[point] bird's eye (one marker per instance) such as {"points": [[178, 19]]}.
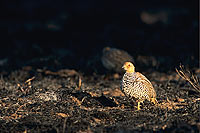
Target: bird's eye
{"points": [[129, 65]]}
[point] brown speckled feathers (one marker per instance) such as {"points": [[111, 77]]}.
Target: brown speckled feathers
{"points": [[136, 85]]}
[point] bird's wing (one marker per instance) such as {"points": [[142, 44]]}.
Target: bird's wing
{"points": [[146, 84], [124, 54]]}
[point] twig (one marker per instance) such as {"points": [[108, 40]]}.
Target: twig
{"points": [[79, 83], [193, 80], [64, 125], [26, 86], [29, 80]]}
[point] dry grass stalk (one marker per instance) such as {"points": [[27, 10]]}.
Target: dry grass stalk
{"points": [[186, 74], [26, 86], [79, 83]]}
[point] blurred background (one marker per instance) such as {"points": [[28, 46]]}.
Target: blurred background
{"points": [[72, 34]]}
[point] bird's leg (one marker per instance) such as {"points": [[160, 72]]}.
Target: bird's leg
{"points": [[154, 100], [138, 107]]}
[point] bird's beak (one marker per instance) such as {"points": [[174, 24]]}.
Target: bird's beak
{"points": [[123, 66]]}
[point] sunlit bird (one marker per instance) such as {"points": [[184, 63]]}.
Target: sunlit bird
{"points": [[136, 85]]}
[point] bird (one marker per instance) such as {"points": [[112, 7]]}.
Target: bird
{"points": [[136, 85], [113, 59]]}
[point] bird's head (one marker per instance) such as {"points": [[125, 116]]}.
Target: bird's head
{"points": [[106, 49], [129, 67]]}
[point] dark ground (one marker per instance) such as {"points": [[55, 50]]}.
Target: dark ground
{"points": [[51, 46]]}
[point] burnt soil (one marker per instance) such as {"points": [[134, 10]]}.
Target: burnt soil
{"points": [[52, 79], [39, 100]]}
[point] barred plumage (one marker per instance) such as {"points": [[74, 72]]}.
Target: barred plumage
{"points": [[113, 59], [136, 85]]}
